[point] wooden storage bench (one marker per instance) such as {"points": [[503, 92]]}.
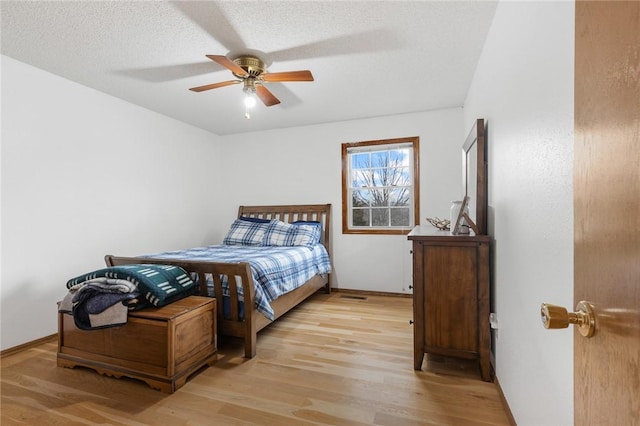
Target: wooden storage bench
{"points": [[161, 346]]}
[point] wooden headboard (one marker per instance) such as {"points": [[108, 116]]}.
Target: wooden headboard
{"points": [[291, 213]]}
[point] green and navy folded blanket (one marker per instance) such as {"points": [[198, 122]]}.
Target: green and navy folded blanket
{"points": [[159, 285]]}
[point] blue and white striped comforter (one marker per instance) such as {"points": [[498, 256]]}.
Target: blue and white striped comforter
{"points": [[276, 270]]}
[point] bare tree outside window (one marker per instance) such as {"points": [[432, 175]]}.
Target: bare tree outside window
{"points": [[384, 184], [380, 186]]}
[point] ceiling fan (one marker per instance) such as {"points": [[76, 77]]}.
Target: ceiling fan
{"points": [[250, 70]]}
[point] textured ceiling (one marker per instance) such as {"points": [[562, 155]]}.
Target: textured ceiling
{"points": [[369, 58]]}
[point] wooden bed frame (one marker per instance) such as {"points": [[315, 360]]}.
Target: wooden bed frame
{"points": [[240, 274]]}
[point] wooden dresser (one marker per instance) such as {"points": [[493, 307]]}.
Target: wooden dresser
{"points": [[161, 346], [451, 296]]}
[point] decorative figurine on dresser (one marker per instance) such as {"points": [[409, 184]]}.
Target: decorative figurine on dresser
{"points": [[451, 272]]}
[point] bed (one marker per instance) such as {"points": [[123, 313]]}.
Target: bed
{"points": [[233, 283]]}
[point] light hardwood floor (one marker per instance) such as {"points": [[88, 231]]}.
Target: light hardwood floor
{"points": [[334, 360]]}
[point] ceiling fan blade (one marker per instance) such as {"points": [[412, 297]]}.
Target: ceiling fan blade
{"points": [[288, 76], [266, 96], [214, 85], [229, 64]]}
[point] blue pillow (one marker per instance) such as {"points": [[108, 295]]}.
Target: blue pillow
{"points": [[315, 224], [287, 234], [246, 233]]}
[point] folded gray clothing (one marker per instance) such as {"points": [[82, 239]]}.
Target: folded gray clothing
{"points": [[93, 308], [99, 303], [102, 301], [113, 316], [66, 305]]}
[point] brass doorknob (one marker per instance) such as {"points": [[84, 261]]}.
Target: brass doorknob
{"points": [[554, 316]]}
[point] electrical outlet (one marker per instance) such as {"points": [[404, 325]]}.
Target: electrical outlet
{"points": [[493, 320]]}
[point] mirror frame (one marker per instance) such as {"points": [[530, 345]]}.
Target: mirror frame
{"points": [[476, 139]]}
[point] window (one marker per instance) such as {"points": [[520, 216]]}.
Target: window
{"points": [[380, 191]]}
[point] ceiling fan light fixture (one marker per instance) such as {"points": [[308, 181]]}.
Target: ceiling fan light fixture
{"points": [[249, 90], [249, 100]]}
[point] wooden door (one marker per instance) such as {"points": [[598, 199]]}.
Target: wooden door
{"points": [[607, 211]]}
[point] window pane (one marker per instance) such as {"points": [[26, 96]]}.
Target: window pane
{"points": [[380, 217], [360, 179], [399, 157], [360, 161], [400, 217], [399, 176], [380, 197], [379, 159], [399, 197], [378, 177], [361, 217], [361, 198]]}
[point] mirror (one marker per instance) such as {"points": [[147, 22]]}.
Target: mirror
{"points": [[474, 174]]}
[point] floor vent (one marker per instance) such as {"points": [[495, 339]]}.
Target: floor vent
{"points": [[349, 296]]}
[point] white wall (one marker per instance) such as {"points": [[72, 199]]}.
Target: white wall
{"points": [[523, 86], [303, 165], [85, 174]]}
